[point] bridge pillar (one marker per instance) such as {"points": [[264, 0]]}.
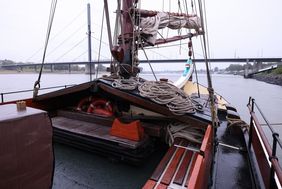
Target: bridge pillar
{"points": [[51, 68], [69, 68], [87, 69], [35, 68]]}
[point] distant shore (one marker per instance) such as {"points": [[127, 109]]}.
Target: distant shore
{"points": [[271, 78], [33, 72]]}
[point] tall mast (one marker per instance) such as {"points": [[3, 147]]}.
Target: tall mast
{"points": [[127, 29], [89, 40]]}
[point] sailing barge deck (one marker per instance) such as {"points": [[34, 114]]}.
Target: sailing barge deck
{"points": [[208, 144], [226, 167]]}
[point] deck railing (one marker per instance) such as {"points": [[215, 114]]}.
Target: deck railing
{"points": [[257, 134], [30, 90]]}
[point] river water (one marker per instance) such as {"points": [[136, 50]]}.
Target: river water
{"points": [[92, 170]]}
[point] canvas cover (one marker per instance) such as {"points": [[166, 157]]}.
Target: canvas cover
{"points": [[26, 152]]}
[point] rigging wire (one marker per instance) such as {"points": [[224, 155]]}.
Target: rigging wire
{"points": [[70, 49], [210, 89], [117, 23], [149, 62], [50, 22], [104, 43], [57, 34], [207, 33], [101, 36], [79, 56], [169, 9], [193, 53], [196, 72], [63, 42]]}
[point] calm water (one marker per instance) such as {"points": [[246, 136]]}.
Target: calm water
{"points": [[92, 170]]}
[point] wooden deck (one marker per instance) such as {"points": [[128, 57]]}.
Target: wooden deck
{"points": [[92, 130], [183, 165], [174, 169], [93, 136]]}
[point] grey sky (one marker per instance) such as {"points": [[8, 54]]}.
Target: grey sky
{"points": [[245, 28]]}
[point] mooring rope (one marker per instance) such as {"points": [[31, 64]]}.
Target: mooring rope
{"points": [[186, 131]]}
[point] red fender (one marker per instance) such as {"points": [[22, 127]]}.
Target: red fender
{"points": [[101, 107]]}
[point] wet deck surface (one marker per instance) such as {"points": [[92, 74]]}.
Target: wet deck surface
{"points": [[232, 167], [78, 169]]}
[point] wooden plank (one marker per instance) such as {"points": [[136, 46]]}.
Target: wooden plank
{"points": [[150, 184], [198, 177], [160, 168], [194, 157], [161, 186], [162, 165], [73, 125], [83, 116], [65, 91], [93, 130], [172, 167], [179, 178]]}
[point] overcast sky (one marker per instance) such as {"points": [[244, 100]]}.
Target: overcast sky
{"points": [[241, 28]]}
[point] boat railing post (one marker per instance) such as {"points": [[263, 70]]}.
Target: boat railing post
{"points": [[273, 156], [251, 103], [2, 97]]}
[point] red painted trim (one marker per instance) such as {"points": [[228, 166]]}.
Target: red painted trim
{"points": [[201, 171], [150, 184], [172, 167]]}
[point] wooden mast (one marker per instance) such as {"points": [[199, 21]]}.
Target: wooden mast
{"points": [[127, 29], [123, 52], [126, 48]]}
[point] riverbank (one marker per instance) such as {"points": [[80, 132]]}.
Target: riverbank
{"points": [[33, 72], [271, 78]]}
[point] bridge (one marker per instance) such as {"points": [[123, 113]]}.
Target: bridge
{"points": [[36, 66]]}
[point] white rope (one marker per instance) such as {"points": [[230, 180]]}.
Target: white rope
{"points": [[182, 130], [125, 84], [167, 94]]}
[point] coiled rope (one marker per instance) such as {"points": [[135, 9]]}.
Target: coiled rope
{"points": [[162, 93], [182, 130], [125, 84], [167, 94], [235, 122]]}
